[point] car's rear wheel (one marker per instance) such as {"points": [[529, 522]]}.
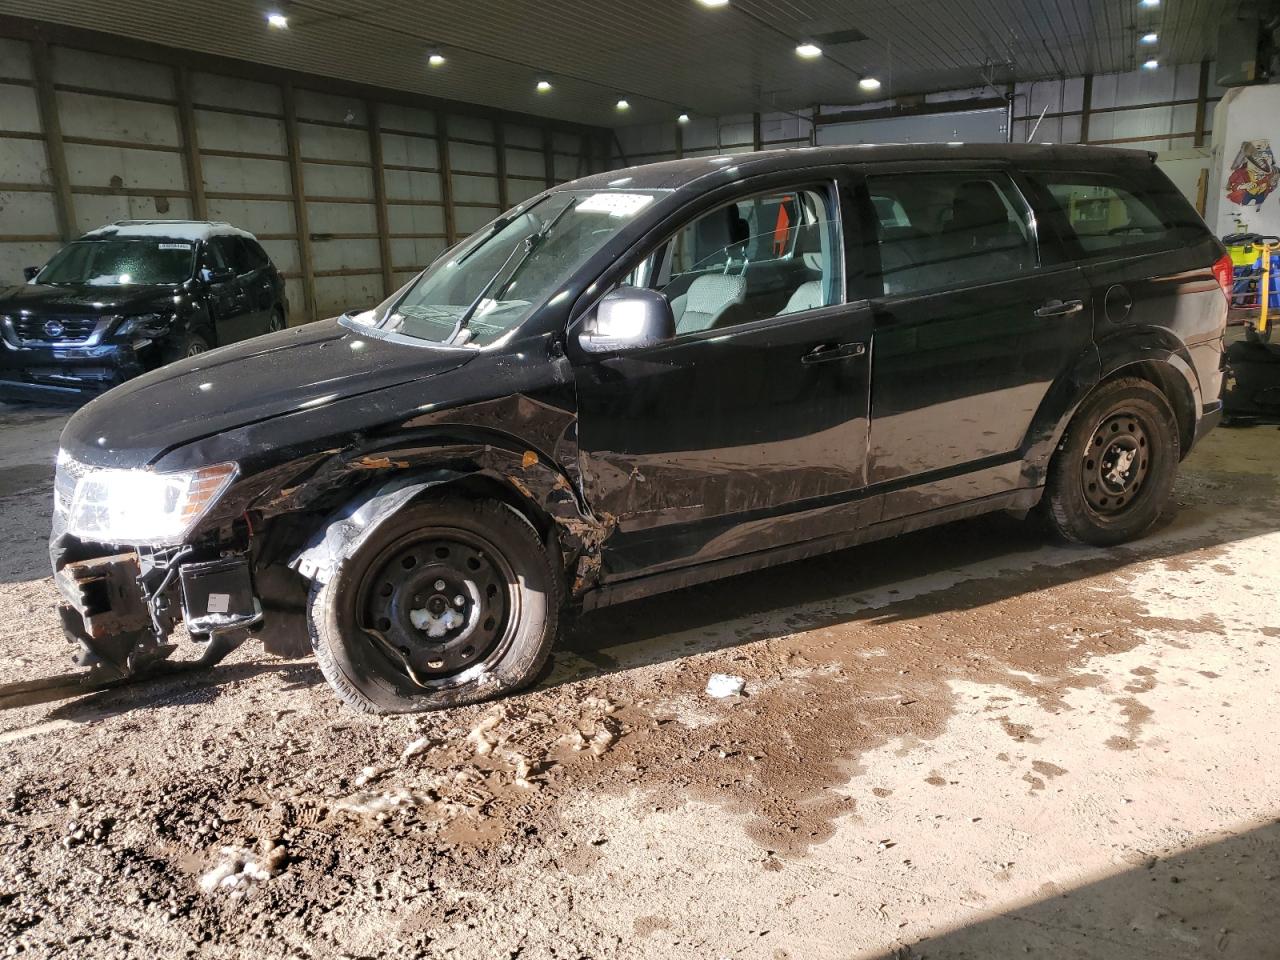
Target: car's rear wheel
{"points": [[449, 602], [277, 321], [1114, 470]]}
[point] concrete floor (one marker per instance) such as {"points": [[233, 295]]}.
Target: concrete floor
{"points": [[968, 742]]}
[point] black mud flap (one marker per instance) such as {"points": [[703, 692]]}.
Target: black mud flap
{"points": [[1251, 383]]}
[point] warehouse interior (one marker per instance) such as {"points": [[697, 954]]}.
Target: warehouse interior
{"points": [[971, 740]]}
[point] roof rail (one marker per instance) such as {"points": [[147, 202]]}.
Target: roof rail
{"points": [[139, 223]]}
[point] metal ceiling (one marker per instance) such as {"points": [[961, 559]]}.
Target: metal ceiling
{"points": [[663, 56]]}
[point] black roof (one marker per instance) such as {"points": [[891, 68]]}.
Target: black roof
{"points": [[674, 174]]}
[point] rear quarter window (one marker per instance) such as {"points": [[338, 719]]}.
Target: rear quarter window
{"points": [[1106, 214]]}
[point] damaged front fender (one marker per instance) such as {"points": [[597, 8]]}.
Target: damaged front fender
{"points": [[347, 530], [541, 492]]}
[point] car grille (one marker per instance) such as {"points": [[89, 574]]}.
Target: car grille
{"points": [[54, 329]]}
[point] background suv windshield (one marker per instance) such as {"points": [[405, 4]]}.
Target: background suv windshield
{"points": [[113, 263], [500, 276]]}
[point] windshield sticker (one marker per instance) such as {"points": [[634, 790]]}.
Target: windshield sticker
{"points": [[174, 246], [614, 204]]}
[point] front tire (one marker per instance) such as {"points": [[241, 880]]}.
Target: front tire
{"points": [[449, 602], [186, 345], [1114, 470]]}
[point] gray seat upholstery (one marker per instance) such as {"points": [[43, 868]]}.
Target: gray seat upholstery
{"points": [[708, 298], [808, 296]]}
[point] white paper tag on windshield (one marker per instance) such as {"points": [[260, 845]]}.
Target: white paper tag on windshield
{"points": [[614, 204], [219, 602], [174, 246]]}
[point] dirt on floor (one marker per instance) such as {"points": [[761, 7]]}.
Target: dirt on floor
{"points": [[967, 742]]}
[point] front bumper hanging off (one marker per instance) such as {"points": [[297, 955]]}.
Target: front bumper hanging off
{"points": [[120, 609]]}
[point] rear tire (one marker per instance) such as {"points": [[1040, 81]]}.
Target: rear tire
{"points": [[1113, 472], [384, 618]]}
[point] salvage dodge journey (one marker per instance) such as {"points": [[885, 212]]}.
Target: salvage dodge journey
{"points": [[643, 380]]}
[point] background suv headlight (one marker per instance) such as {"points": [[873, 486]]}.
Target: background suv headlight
{"points": [[146, 325], [142, 507]]}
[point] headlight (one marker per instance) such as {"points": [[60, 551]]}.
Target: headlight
{"points": [[147, 324], [142, 507]]}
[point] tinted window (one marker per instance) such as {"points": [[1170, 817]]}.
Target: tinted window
{"points": [[765, 256], [257, 256], [1107, 213], [940, 230]]}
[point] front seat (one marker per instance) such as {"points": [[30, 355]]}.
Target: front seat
{"points": [[707, 300], [810, 295]]}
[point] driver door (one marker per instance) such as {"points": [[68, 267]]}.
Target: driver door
{"points": [[748, 430]]}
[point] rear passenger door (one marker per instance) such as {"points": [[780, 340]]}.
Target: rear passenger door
{"points": [[975, 320]]}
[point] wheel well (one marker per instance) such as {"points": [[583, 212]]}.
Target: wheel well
{"points": [[1168, 381], [478, 486]]}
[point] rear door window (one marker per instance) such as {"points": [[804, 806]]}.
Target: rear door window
{"points": [[940, 230], [1106, 213]]}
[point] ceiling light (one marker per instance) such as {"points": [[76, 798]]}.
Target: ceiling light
{"points": [[869, 84], [544, 86], [1151, 64], [435, 58], [622, 104], [1149, 3], [714, 3], [808, 50], [278, 20], [683, 118], [1150, 38]]}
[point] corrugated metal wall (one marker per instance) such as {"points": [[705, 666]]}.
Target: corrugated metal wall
{"points": [[350, 196], [1147, 109]]}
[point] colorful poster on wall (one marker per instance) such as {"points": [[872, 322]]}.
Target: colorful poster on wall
{"points": [[1253, 175]]}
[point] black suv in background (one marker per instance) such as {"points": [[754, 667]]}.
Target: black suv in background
{"points": [[648, 379], [128, 298]]}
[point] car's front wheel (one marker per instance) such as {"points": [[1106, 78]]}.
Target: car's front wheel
{"points": [[449, 602], [1113, 472]]}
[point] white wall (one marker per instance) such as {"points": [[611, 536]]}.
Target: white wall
{"points": [[1245, 113], [1122, 114]]}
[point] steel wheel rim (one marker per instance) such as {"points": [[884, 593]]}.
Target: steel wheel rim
{"points": [[440, 637], [1116, 463]]}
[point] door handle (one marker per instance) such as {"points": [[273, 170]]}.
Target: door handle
{"points": [[834, 351], [1060, 308]]}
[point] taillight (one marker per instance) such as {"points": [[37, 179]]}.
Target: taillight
{"points": [[1224, 272]]}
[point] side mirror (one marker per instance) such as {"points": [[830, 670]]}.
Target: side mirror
{"points": [[217, 274], [29, 273], [628, 317]]}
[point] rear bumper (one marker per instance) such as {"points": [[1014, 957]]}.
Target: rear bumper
{"points": [[65, 374], [1210, 417]]}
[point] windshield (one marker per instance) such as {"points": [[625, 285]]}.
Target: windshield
{"points": [[492, 282], [120, 263]]}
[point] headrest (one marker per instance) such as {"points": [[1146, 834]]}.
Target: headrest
{"points": [[977, 205]]}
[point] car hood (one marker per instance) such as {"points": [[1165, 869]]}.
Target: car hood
{"points": [[299, 369], [45, 298]]}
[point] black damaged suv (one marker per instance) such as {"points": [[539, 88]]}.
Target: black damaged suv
{"points": [[128, 298], [643, 380]]}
